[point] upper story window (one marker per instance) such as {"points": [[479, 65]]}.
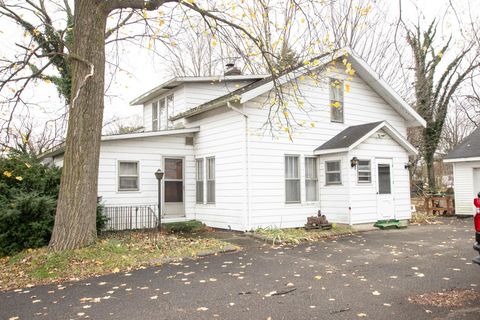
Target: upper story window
{"points": [[336, 100], [161, 111]]}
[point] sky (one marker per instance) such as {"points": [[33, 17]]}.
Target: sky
{"points": [[142, 70]]}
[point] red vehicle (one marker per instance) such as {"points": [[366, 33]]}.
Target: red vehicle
{"points": [[476, 220]]}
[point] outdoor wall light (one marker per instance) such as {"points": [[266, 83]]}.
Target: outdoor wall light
{"points": [[354, 162], [408, 165]]}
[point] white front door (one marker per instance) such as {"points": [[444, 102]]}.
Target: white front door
{"points": [[385, 201], [173, 187]]}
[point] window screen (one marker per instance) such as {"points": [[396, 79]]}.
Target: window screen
{"points": [[333, 173], [384, 182], [128, 176], [292, 179]]}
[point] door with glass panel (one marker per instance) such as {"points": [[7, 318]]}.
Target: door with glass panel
{"points": [[385, 195], [173, 187]]}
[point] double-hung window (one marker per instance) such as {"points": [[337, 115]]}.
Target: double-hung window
{"points": [[311, 179], [364, 171], [155, 116], [161, 111], [210, 179], [199, 183], [333, 173], [292, 179], [336, 100], [128, 176]]}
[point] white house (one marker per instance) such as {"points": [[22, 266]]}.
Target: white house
{"points": [[465, 158], [207, 135]]}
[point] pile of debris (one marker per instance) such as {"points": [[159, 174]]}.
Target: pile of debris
{"points": [[318, 222]]}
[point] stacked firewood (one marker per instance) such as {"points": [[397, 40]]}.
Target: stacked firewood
{"points": [[318, 222]]}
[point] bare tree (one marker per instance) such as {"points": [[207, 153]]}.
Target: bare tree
{"points": [[436, 82], [75, 52]]}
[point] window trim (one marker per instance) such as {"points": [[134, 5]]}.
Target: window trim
{"points": [[299, 179], [335, 183], [155, 119], [202, 160], [310, 179], [165, 179], [119, 176], [370, 171], [332, 101], [158, 120], [214, 179]]}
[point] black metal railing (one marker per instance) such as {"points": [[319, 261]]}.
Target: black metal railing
{"points": [[130, 217]]}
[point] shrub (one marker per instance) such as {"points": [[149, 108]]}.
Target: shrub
{"points": [[28, 200], [183, 227]]}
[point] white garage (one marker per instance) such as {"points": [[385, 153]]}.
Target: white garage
{"points": [[466, 172]]}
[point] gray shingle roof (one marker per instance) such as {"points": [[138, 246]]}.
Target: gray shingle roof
{"points": [[468, 148], [348, 136]]}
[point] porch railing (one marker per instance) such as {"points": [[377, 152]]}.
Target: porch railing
{"points": [[131, 217]]}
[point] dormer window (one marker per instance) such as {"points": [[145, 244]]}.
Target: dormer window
{"points": [[161, 111]]}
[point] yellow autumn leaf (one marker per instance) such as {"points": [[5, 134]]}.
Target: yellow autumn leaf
{"points": [[347, 87], [19, 178], [336, 104], [214, 43], [28, 165], [7, 174], [116, 270]]}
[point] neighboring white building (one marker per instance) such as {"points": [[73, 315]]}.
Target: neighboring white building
{"points": [[206, 134], [465, 158]]}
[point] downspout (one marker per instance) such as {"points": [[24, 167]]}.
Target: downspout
{"points": [[246, 164]]}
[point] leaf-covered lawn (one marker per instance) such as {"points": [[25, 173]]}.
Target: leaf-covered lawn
{"points": [[297, 235], [111, 254]]}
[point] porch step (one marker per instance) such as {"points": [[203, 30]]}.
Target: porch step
{"points": [[389, 224]]}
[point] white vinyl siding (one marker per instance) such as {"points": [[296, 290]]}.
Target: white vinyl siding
{"points": [[210, 180], [364, 171], [363, 196], [311, 179], [128, 176], [292, 179], [336, 100], [199, 180], [466, 182], [333, 172]]}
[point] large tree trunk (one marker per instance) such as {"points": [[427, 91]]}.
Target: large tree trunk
{"points": [[430, 139], [75, 220]]}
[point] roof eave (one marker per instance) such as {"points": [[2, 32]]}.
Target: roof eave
{"points": [[466, 159]]}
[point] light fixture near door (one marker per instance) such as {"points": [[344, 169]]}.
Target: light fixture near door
{"points": [[354, 162]]}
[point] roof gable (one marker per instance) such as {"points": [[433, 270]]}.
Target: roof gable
{"points": [[361, 67], [468, 148], [353, 136]]}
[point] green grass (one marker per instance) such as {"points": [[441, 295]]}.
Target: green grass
{"points": [[297, 235], [115, 252]]}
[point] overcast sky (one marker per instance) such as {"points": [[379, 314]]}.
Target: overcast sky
{"points": [[142, 70]]}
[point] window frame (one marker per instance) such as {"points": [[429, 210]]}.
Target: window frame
{"points": [[200, 161], [334, 183], [166, 179], [298, 178], [208, 179], [363, 171], [167, 102], [315, 178], [332, 100], [155, 118], [119, 189]]}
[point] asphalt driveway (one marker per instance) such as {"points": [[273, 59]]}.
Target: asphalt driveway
{"points": [[369, 275]]}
